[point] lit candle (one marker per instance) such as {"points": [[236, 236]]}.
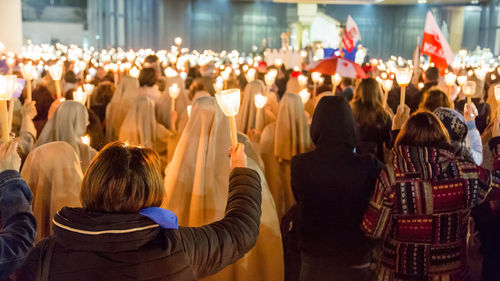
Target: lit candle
{"points": [[449, 79], [178, 41], [55, 72], [134, 72], [80, 96], [387, 86], [250, 75], [461, 79], [170, 72], [173, 92], [480, 73], [86, 139], [302, 81], [88, 88], [27, 71], [229, 102], [7, 85], [304, 96], [469, 89], [270, 78], [189, 107], [260, 102], [219, 84], [403, 76]]}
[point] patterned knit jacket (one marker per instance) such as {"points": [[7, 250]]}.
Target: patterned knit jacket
{"points": [[421, 207]]}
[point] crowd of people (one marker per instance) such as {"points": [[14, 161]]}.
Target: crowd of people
{"points": [[344, 184]]}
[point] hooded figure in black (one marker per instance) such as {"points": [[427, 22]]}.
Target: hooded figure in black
{"points": [[332, 185]]}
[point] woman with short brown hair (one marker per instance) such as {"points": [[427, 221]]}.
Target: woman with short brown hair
{"points": [[121, 234], [433, 99]]}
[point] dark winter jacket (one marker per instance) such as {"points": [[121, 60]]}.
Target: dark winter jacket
{"points": [[120, 246], [332, 185], [18, 223]]}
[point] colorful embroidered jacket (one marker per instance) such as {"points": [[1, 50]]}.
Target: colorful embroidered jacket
{"points": [[421, 207]]}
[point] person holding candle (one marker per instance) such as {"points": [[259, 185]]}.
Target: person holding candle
{"points": [[278, 143], [164, 105], [69, 123], [55, 183], [428, 188], [140, 127], [372, 119], [196, 189], [121, 233], [246, 120], [331, 203], [17, 221]]}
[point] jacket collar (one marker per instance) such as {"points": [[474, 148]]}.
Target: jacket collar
{"points": [[80, 229]]}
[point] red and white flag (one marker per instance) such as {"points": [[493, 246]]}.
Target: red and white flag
{"points": [[351, 34], [434, 44]]}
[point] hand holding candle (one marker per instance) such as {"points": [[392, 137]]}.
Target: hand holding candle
{"points": [[336, 79], [387, 86], [229, 102]]}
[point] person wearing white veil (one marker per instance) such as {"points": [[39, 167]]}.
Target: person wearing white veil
{"points": [[69, 123], [278, 143], [247, 118], [125, 93], [55, 184], [196, 185], [164, 104], [141, 128]]}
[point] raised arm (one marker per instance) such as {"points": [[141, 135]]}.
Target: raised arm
{"points": [[212, 247], [18, 223], [377, 217]]}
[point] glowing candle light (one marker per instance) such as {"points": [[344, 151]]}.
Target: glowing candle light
{"points": [[89, 89], [270, 78], [315, 77], [449, 79], [302, 81], [55, 72], [170, 72], [304, 96], [260, 101], [250, 75], [80, 96], [7, 86], [386, 86], [189, 107], [229, 102], [178, 41], [134, 72], [173, 92], [461, 79], [403, 76], [86, 139], [27, 71], [480, 73], [469, 89]]}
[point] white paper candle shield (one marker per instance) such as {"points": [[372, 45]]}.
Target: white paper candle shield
{"points": [[229, 103], [250, 75], [387, 85], [403, 76], [302, 81], [304, 96], [55, 71], [450, 78], [315, 76], [260, 101], [134, 72], [189, 107], [80, 96]]}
